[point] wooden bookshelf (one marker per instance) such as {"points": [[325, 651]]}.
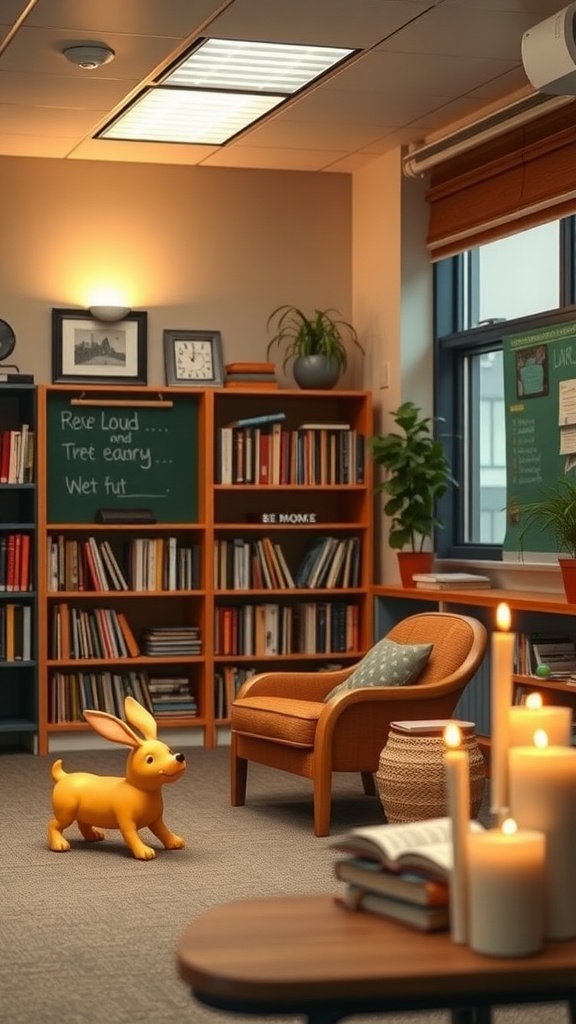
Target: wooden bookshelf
{"points": [[19, 711], [111, 448], [315, 490]]}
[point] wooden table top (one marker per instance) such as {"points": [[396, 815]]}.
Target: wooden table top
{"points": [[299, 949]]}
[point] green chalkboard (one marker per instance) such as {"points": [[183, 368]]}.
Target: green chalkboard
{"points": [[540, 396], [117, 457]]}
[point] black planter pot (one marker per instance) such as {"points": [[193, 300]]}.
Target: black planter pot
{"points": [[316, 372]]}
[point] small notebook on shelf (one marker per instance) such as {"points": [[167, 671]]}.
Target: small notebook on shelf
{"points": [[451, 580]]}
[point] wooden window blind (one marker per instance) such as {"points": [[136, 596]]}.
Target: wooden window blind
{"points": [[525, 177]]}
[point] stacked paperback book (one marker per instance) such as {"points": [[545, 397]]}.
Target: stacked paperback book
{"points": [[451, 581], [399, 871], [168, 641], [251, 375]]}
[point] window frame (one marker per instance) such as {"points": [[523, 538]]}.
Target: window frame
{"points": [[455, 290]]}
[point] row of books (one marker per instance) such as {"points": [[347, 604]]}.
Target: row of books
{"points": [[78, 633], [227, 682], [400, 871], [16, 562], [309, 455], [15, 632], [555, 650], [71, 693], [329, 562], [17, 455], [146, 564], [314, 627]]}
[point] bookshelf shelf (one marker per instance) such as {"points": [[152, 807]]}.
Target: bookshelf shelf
{"points": [[19, 712]]}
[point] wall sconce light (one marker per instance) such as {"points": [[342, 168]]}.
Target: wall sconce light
{"points": [[110, 314]]}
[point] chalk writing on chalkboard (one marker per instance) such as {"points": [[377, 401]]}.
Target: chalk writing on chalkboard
{"points": [[124, 457]]}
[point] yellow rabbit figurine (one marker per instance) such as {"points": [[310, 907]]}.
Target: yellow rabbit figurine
{"points": [[98, 802]]}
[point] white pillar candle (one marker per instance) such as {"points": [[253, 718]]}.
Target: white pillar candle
{"points": [[501, 668], [543, 796], [525, 719], [506, 890], [458, 798]]}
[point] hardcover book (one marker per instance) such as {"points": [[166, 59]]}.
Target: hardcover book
{"points": [[423, 845]]}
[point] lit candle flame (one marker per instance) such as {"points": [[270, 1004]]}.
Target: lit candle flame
{"points": [[540, 738], [503, 618], [509, 827], [452, 735], [534, 701]]}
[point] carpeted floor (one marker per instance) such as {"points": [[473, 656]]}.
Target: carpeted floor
{"points": [[88, 937]]}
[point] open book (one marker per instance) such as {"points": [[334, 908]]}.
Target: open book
{"points": [[422, 845]]}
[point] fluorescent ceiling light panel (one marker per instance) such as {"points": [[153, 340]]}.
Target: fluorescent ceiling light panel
{"points": [[270, 67], [180, 115], [219, 89]]}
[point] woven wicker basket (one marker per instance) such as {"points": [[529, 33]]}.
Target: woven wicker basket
{"points": [[411, 778]]}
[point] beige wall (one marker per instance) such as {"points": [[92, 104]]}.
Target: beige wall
{"points": [[392, 302], [219, 249], [215, 249]]}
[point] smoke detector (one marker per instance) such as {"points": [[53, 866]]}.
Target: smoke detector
{"points": [[89, 57]]}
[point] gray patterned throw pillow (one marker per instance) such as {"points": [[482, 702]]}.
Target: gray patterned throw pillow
{"points": [[386, 664]]}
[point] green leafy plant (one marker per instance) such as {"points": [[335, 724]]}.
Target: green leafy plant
{"points": [[418, 473], [554, 511], [323, 334]]}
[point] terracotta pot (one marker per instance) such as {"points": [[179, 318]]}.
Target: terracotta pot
{"points": [[410, 562], [568, 569]]}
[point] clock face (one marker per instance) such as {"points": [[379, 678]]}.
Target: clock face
{"points": [[7, 339], [194, 360]]}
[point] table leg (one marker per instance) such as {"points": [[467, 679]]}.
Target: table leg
{"points": [[571, 1005], [475, 1015]]}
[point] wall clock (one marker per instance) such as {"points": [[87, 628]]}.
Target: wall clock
{"points": [[7, 340], [193, 358]]}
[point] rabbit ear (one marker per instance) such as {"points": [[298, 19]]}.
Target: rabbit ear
{"points": [[112, 728], [140, 718]]}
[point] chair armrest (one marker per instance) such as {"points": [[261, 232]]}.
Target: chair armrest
{"points": [[294, 685]]}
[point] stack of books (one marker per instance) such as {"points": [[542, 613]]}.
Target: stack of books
{"points": [[168, 641], [399, 871], [250, 375], [171, 695], [451, 581]]}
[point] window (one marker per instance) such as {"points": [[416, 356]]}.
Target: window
{"points": [[500, 288]]}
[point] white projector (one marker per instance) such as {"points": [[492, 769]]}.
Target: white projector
{"points": [[549, 53]]}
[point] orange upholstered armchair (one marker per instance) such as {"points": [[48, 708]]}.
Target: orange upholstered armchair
{"points": [[282, 719]]}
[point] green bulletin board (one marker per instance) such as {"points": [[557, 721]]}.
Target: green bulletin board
{"points": [[123, 457], [540, 397]]}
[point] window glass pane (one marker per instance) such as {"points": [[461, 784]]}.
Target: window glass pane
{"points": [[520, 275], [485, 445]]}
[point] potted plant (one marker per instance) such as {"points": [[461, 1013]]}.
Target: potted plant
{"points": [[316, 345], [555, 512], [417, 474]]}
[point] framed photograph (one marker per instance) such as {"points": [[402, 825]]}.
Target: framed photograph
{"points": [[91, 351], [194, 358]]}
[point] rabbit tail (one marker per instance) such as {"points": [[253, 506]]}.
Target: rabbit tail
{"points": [[57, 770]]}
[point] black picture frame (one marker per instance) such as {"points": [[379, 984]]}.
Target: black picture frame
{"points": [[213, 338], [125, 343]]}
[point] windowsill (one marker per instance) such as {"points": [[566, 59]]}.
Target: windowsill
{"points": [[541, 577]]}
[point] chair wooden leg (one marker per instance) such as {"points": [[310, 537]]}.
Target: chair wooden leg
{"points": [[322, 781], [368, 783], [238, 777]]}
